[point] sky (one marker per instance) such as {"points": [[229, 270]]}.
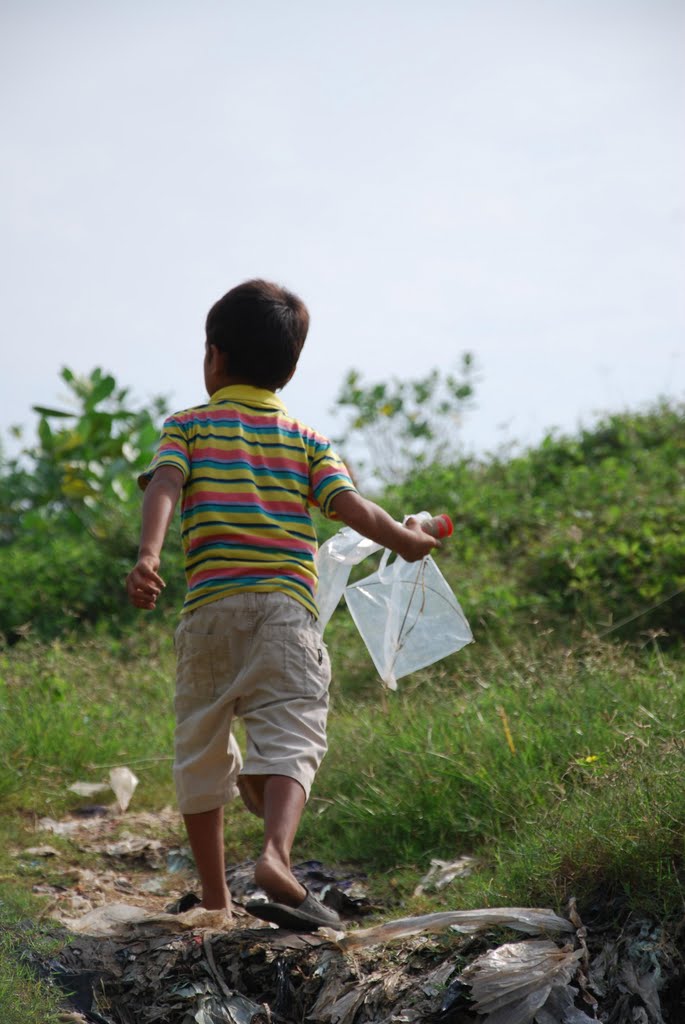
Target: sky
{"points": [[501, 178]]}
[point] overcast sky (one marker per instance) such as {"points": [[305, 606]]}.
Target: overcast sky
{"points": [[503, 177]]}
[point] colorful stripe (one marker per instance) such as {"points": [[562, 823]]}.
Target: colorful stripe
{"points": [[250, 473]]}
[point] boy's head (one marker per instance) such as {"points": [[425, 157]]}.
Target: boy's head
{"points": [[259, 328]]}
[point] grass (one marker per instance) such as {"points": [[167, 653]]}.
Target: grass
{"points": [[561, 771], [24, 999], [72, 711]]}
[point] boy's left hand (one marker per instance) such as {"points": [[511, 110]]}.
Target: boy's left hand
{"points": [[144, 584]]}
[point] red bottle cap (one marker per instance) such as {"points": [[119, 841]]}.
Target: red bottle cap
{"points": [[444, 525]]}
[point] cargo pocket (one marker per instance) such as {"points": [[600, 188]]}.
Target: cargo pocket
{"points": [[196, 654], [307, 665]]}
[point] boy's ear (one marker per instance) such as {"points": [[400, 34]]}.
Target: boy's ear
{"points": [[216, 358]]}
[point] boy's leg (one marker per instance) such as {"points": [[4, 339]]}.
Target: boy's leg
{"points": [[206, 836], [284, 800]]}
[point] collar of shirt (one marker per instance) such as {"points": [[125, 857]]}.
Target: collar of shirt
{"points": [[248, 394]]}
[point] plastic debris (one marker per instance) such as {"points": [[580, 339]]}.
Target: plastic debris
{"points": [[468, 922], [442, 872], [207, 1007], [561, 1008], [37, 851], [88, 788], [179, 860], [124, 920], [128, 846], [635, 968], [123, 782], [513, 983], [68, 827]]}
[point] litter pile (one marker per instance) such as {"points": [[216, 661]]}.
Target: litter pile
{"points": [[128, 961], [244, 975]]}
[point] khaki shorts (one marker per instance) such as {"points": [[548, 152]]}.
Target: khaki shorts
{"points": [[258, 657]]}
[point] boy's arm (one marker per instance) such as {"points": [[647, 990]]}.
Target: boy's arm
{"points": [[408, 540], [143, 583]]}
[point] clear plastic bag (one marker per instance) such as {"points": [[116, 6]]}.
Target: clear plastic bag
{"points": [[408, 617], [334, 561], [406, 613]]}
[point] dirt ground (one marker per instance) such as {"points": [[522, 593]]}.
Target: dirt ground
{"points": [[126, 961]]}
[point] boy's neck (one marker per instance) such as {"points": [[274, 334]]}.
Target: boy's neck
{"points": [[229, 381]]}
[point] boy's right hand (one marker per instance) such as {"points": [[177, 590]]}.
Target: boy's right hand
{"points": [[366, 517], [417, 544], [143, 583]]}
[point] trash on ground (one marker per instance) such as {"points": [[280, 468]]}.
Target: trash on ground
{"points": [[68, 827], [124, 920], [88, 788], [140, 848], [513, 983], [123, 782], [178, 860], [155, 967], [442, 872], [636, 967], [37, 851], [467, 922]]}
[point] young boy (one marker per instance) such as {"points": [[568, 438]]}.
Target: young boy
{"points": [[247, 644]]}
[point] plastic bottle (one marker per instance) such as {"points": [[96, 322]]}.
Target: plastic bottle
{"points": [[438, 526]]}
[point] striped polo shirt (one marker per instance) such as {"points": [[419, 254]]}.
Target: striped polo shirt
{"points": [[250, 474]]}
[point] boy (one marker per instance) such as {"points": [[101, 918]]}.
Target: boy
{"points": [[247, 644]]}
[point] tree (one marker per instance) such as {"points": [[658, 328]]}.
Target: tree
{"points": [[405, 425], [80, 473], [69, 507]]}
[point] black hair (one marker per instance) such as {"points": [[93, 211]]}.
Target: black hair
{"points": [[261, 328]]}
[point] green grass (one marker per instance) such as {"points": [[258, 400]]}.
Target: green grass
{"points": [[589, 802], [590, 794], [70, 711], [24, 999], [591, 797]]}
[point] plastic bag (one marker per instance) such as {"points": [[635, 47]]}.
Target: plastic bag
{"points": [[334, 560], [406, 613], [408, 617]]}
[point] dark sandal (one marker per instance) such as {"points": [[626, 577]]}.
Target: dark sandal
{"points": [[307, 917]]}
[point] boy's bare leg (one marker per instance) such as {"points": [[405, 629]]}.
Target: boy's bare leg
{"points": [[206, 836], [284, 801]]}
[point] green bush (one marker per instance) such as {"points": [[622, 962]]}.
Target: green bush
{"points": [[580, 532], [70, 510], [575, 535], [52, 585]]}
